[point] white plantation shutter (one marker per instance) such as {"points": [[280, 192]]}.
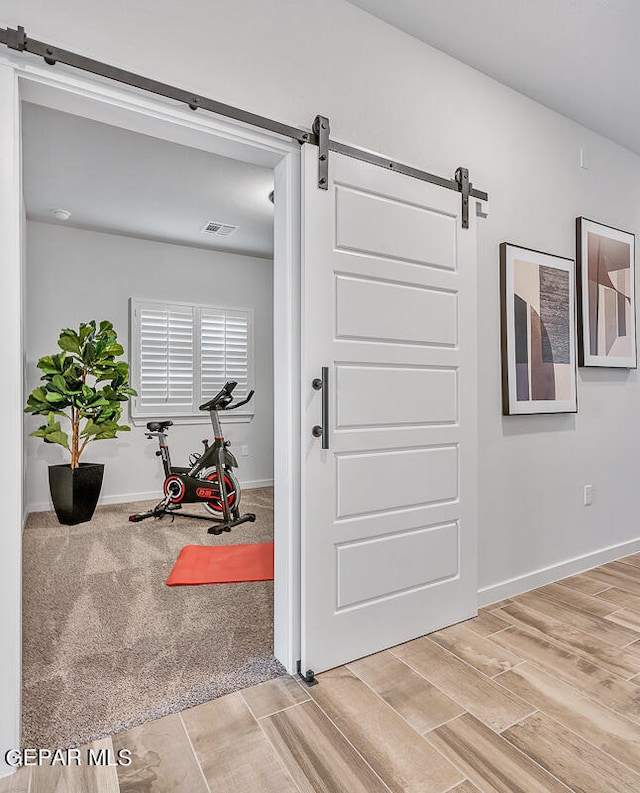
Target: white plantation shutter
{"points": [[183, 354], [166, 357], [225, 351]]}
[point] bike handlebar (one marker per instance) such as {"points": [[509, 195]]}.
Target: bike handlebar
{"points": [[223, 398], [244, 401]]}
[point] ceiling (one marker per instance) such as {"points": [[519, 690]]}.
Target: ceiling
{"points": [[122, 182], [578, 57]]}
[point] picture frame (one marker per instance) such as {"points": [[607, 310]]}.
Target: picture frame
{"points": [[605, 258], [538, 321]]}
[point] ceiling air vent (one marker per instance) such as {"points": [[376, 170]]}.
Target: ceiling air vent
{"points": [[219, 229]]}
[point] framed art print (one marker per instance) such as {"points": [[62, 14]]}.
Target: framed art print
{"points": [[607, 299], [538, 332]]}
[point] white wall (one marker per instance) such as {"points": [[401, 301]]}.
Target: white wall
{"points": [[387, 92], [74, 276]]}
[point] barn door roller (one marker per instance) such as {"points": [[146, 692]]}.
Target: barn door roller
{"points": [[464, 185], [321, 130], [319, 135]]}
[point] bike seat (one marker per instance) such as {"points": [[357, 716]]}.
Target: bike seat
{"points": [[158, 426]]}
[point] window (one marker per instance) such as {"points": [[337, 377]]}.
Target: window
{"points": [[182, 354]]}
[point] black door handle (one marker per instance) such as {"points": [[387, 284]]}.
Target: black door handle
{"points": [[322, 384]]}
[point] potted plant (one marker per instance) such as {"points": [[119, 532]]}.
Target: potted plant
{"points": [[86, 385]]}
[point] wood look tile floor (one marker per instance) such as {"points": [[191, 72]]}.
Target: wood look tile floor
{"points": [[538, 694]]}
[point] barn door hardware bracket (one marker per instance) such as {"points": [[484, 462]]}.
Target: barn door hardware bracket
{"points": [[321, 129], [308, 678], [464, 186], [17, 39]]}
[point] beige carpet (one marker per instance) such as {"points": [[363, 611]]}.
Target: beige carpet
{"points": [[107, 645]]}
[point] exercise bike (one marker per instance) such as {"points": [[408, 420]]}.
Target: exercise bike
{"points": [[209, 480]]}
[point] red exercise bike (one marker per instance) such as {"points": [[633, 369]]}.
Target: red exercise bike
{"points": [[209, 480]]}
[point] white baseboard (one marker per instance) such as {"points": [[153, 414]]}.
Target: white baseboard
{"points": [[123, 498], [547, 575], [256, 483]]}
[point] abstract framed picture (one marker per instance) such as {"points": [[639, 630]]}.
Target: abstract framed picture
{"points": [[538, 332], [607, 296]]}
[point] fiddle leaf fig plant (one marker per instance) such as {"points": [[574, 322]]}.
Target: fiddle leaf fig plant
{"points": [[84, 384]]}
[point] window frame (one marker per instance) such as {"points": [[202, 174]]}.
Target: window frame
{"points": [[179, 414]]}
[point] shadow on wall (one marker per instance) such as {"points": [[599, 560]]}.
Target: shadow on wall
{"points": [[600, 374], [538, 422]]}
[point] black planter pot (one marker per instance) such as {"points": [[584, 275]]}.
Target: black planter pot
{"points": [[75, 491]]}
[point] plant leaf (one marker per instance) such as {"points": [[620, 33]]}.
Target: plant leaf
{"points": [[51, 433], [59, 383], [89, 353], [69, 344], [61, 438], [48, 365]]}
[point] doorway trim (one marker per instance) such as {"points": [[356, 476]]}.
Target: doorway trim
{"points": [[100, 100]]}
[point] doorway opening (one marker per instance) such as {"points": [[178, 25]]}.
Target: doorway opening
{"points": [[106, 608]]}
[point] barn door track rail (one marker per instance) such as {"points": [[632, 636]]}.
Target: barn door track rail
{"points": [[17, 39]]}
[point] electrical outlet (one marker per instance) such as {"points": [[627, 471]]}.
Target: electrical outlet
{"points": [[243, 450], [588, 495]]}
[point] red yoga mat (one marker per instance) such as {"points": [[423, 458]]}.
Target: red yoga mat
{"points": [[222, 564]]}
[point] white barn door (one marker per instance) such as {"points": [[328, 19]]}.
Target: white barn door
{"points": [[389, 509]]}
